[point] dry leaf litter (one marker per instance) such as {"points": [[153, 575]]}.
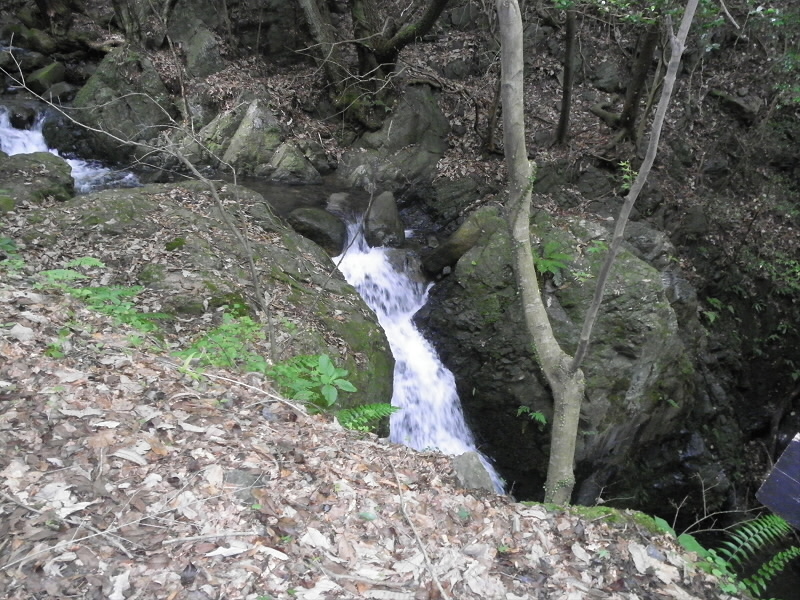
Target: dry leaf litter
{"points": [[125, 474]]}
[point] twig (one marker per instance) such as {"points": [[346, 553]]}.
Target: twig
{"points": [[299, 409], [416, 535], [78, 524], [209, 536], [370, 582], [727, 14]]}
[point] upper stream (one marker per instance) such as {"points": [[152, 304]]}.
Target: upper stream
{"points": [[88, 175]]}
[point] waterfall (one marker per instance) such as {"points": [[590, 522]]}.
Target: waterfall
{"points": [[88, 175], [424, 389]]}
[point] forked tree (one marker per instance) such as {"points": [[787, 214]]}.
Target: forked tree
{"points": [[562, 371]]}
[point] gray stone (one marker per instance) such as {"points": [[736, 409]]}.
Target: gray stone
{"points": [[125, 98], [39, 81], [405, 150], [607, 77], [289, 165], [321, 227], [383, 226], [471, 473]]}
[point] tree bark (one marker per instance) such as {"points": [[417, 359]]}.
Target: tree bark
{"points": [[563, 373], [569, 76], [567, 387], [641, 66], [327, 50]]}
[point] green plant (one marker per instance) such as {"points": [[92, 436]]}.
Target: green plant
{"points": [[115, 301], [311, 379], [628, 175], [717, 306], [596, 247], [534, 415], [57, 348], [552, 260], [365, 417], [8, 246], [746, 541], [229, 345]]}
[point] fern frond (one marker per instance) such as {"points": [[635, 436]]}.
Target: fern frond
{"points": [[365, 417], [753, 535], [758, 582]]}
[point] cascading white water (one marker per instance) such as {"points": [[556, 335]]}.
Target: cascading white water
{"points": [[425, 390], [88, 175]]}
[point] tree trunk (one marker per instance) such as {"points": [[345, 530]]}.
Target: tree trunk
{"points": [[641, 66], [569, 77], [380, 39], [563, 373], [567, 387], [327, 51]]}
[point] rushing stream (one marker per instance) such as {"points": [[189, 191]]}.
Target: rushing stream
{"points": [[88, 175], [424, 389]]}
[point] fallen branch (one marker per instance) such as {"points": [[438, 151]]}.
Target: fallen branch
{"points": [[416, 535]]}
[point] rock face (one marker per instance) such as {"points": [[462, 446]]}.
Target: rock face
{"points": [[405, 150], [125, 98], [640, 375]]}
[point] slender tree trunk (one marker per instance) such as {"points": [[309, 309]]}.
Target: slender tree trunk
{"points": [[641, 66], [567, 387], [569, 77], [677, 45]]}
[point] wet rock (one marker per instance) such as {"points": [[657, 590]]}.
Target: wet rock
{"points": [[321, 227], [383, 226], [447, 254]]}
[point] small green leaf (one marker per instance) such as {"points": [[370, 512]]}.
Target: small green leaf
{"points": [[345, 385]]}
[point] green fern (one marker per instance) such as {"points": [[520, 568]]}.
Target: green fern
{"points": [[365, 417], [758, 582], [752, 536]]}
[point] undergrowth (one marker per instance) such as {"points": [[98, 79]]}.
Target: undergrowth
{"points": [[728, 561]]}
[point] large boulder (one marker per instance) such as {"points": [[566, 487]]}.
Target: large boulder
{"points": [[126, 102], [191, 276], [641, 405], [33, 178], [404, 152]]}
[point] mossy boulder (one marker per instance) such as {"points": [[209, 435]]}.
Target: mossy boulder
{"points": [[126, 99], [312, 309], [34, 178], [641, 380]]}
